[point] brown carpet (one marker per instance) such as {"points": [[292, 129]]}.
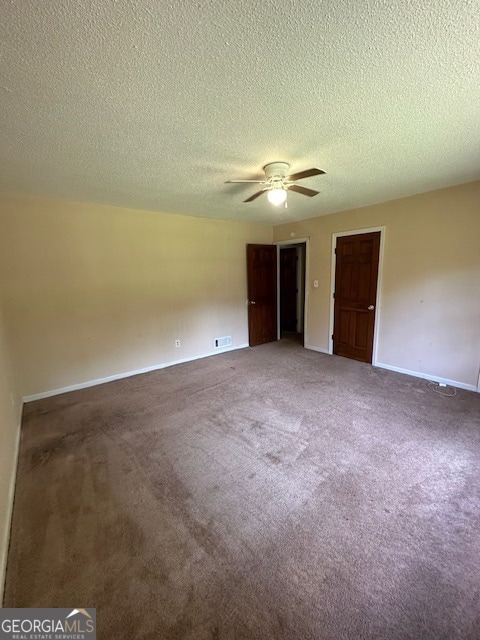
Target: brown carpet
{"points": [[269, 493]]}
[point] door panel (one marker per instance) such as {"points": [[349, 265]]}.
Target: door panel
{"points": [[361, 330], [346, 279], [262, 293], [356, 275], [343, 327]]}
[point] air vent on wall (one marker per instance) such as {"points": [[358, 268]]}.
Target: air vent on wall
{"points": [[226, 341]]}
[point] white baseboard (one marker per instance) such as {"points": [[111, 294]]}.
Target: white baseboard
{"points": [[119, 376], [5, 542], [415, 374], [318, 349], [426, 376]]}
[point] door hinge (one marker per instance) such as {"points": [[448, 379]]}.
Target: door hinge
{"points": [[335, 251], [334, 294], [332, 336]]}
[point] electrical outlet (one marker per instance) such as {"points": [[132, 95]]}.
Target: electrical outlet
{"points": [[177, 343]]}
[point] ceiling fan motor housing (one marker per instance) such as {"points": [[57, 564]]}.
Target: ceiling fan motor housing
{"points": [[276, 170]]}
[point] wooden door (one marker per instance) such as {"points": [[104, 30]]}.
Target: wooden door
{"points": [[262, 293], [288, 289], [356, 274]]}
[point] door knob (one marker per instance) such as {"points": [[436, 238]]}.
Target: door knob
{"points": [[251, 302], [371, 307]]}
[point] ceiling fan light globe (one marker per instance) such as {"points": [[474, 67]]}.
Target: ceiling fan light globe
{"points": [[277, 196]]}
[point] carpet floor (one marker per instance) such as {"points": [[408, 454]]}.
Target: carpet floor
{"points": [[271, 493]]}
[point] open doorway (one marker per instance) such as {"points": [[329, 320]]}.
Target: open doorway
{"points": [[291, 289]]}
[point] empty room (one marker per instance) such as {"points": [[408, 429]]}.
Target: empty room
{"points": [[239, 320]]}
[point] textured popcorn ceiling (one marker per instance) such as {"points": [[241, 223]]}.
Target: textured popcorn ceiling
{"points": [[154, 104]]}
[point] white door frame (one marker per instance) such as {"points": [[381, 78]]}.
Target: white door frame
{"points": [[286, 243], [378, 301]]}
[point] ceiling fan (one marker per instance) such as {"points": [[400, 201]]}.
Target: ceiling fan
{"points": [[277, 182]]}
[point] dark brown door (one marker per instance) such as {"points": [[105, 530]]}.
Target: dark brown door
{"points": [[288, 289], [262, 293], [356, 275]]}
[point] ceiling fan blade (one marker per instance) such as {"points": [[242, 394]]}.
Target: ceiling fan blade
{"points": [[256, 181], [255, 195], [308, 173], [302, 190]]}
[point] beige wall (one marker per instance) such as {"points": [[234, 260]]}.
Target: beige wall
{"points": [[429, 320], [9, 431], [93, 291]]}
